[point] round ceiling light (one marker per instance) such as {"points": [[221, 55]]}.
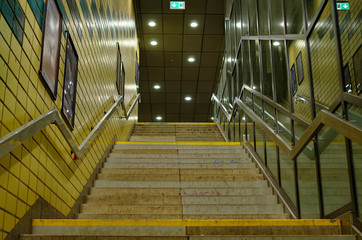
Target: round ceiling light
{"points": [[194, 24], [191, 59], [154, 42], [151, 23], [156, 86], [158, 118], [188, 98], [276, 43]]}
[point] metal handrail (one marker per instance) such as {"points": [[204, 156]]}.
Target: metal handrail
{"points": [[323, 118], [15, 138]]}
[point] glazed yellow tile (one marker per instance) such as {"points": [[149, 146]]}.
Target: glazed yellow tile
{"points": [[13, 185], [5, 30], [32, 197], [4, 49], [9, 222], [14, 65], [15, 47], [11, 202], [23, 192], [33, 182], [8, 120], [2, 90], [3, 195], [21, 209], [24, 172]]}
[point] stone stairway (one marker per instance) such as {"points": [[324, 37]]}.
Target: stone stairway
{"points": [[182, 190]]}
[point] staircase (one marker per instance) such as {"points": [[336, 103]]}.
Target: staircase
{"points": [[185, 184]]}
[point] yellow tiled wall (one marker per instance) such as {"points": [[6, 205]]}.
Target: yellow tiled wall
{"points": [[42, 167], [324, 62]]}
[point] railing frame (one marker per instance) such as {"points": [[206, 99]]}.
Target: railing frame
{"points": [[15, 138]]}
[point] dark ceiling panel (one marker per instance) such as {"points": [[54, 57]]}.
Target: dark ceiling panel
{"points": [[186, 117], [195, 7], [150, 6], [205, 87], [200, 118], [172, 23], [144, 86], [144, 107], [209, 60], [190, 73], [192, 43], [155, 59], [156, 73], [203, 98], [173, 86], [172, 43], [188, 86], [173, 59], [143, 73], [172, 97], [173, 117], [157, 98], [172, 73], [215, 7], [202, 108], [207, 74], [214, 24], [158, 108], [187, 108], [172, 108], [213, 43], [145, 98], [144, 117]]}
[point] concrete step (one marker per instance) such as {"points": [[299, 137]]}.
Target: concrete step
{"points": [[55, 237], [223, 161], [184, 228], [179, 151], [229, 200], [125, 192], [186, 171], [130, 209], [177, 156], [176, 178], [212, 185], [178, 165], [134, 200], [178, 145], [199, 209]]}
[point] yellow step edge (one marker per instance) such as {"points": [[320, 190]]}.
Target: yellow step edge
{"points": [[170, 123], [186, 223], [183, 143]]}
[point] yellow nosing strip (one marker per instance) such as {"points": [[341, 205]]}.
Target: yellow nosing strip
{"points": [[186, 223], [183, 143], [170, 123]]}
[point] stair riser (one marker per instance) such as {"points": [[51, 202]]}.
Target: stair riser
{"points": [[178, 166], [176, 178]]}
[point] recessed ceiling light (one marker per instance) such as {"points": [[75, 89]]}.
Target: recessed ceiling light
{"points": [[276, 43], [158, 118], [156, 86], [151, 23], [212, 118], [188, 98], [154, 42], [194, 24], [191, 59]]}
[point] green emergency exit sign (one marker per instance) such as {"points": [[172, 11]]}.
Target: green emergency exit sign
{"points": [[343, 6], [177, 5]]}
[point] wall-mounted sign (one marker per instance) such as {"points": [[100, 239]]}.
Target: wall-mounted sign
{"points": [[177, 5], [49, 64], [70, 82], [342, 6]]}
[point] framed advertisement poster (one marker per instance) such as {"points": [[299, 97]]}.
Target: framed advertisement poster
{"points": [[70, 82], [137, 74], [49, 61], [293, 80], [118, 71], [300, 68]]}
